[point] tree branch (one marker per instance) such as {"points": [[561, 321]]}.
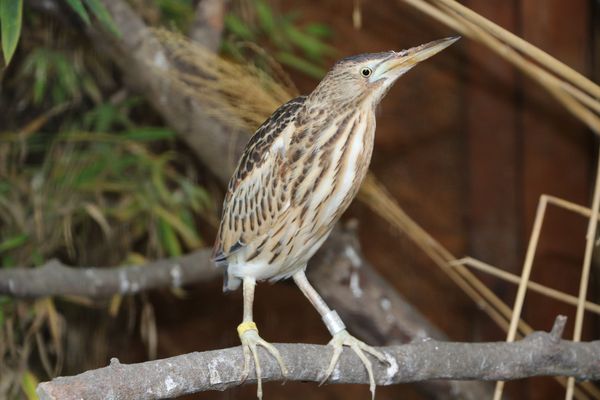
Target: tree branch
{"points": [[539, 354], [55, 278], [207, 27]]}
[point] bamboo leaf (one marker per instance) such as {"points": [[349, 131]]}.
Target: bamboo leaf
{"points": [[103, 15], [28, 383], [265, 17], [300, 64], [11, 16], [78, 7], [149, 134], [13, 242], [168, 238], [189, 236], [318, 30], [238, 27], [311, 46]]}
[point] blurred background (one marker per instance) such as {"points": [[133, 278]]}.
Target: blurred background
{"points": [[94, 173]]}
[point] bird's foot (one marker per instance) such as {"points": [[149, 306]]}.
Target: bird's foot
{"points": [[343, 338], [250, 340]]}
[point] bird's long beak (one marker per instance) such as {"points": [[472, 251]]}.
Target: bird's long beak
{"points": [[400, 62]]}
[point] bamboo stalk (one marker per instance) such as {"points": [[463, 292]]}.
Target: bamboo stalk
{"points": [[534, 286], [585, 273], [527, 266]]}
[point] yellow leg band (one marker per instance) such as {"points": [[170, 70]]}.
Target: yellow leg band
{"points": [[246, 326]]}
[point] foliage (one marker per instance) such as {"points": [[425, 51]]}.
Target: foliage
{"points": [[11, 16], [302, 48], [87, 174], [90, 180], [11, 12], [176, 13]]}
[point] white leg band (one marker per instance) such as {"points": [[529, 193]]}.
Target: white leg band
{"points": [[333, 322]]}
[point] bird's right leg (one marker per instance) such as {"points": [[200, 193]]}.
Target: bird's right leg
{"points": [[250, 339]]}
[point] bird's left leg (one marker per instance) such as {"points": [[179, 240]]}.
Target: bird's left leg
{"points": [[336, 327], [250, 339]]}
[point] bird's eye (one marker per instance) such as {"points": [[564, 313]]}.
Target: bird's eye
{"points": [[366, 71]]}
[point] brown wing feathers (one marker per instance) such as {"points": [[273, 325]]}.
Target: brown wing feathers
{"points": [[253, 186]]}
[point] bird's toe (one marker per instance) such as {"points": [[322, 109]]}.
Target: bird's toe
{"points": [[250, 341]]}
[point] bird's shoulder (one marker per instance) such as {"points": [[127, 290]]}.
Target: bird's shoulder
{"points": [[264, 137]]}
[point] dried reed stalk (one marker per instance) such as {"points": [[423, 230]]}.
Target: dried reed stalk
{"points": [[534, 286], [574, 91]]}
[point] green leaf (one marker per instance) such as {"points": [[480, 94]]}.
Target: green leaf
{"points": [[28, 384], [11, 15], [238, 27], [103, 15], [8, 261], [168, 238], [78, 7], [265, 17], [230, 49], [67, 77], [318, 30], [311, 46], [13, 242], [37, 258], [189, 236], [300, 64], [40, 80], [149, 134], [89, 174]]}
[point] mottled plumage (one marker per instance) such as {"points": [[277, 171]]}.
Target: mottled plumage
{"points": [[298, 174]]}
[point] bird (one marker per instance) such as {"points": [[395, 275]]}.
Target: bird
{"points": [[299, 172]]}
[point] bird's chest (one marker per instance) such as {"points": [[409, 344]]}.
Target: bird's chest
{"points": [[343, 158]]}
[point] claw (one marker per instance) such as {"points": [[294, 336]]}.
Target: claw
{"points": [[250, 340], [343, 338]]}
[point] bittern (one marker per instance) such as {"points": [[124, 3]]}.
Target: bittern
{"points": [[297, 175]]}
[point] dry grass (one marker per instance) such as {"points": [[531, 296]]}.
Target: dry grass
{"points": [[224, 88]]}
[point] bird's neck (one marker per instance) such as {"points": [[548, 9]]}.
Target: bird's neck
{"points": [[325, 119]]}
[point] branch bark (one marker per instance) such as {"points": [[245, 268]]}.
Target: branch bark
{"points": [[55, 278], [539, 354], [208, 24]]}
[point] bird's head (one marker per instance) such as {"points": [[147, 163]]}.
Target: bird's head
{"points": [[368, 77]]}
